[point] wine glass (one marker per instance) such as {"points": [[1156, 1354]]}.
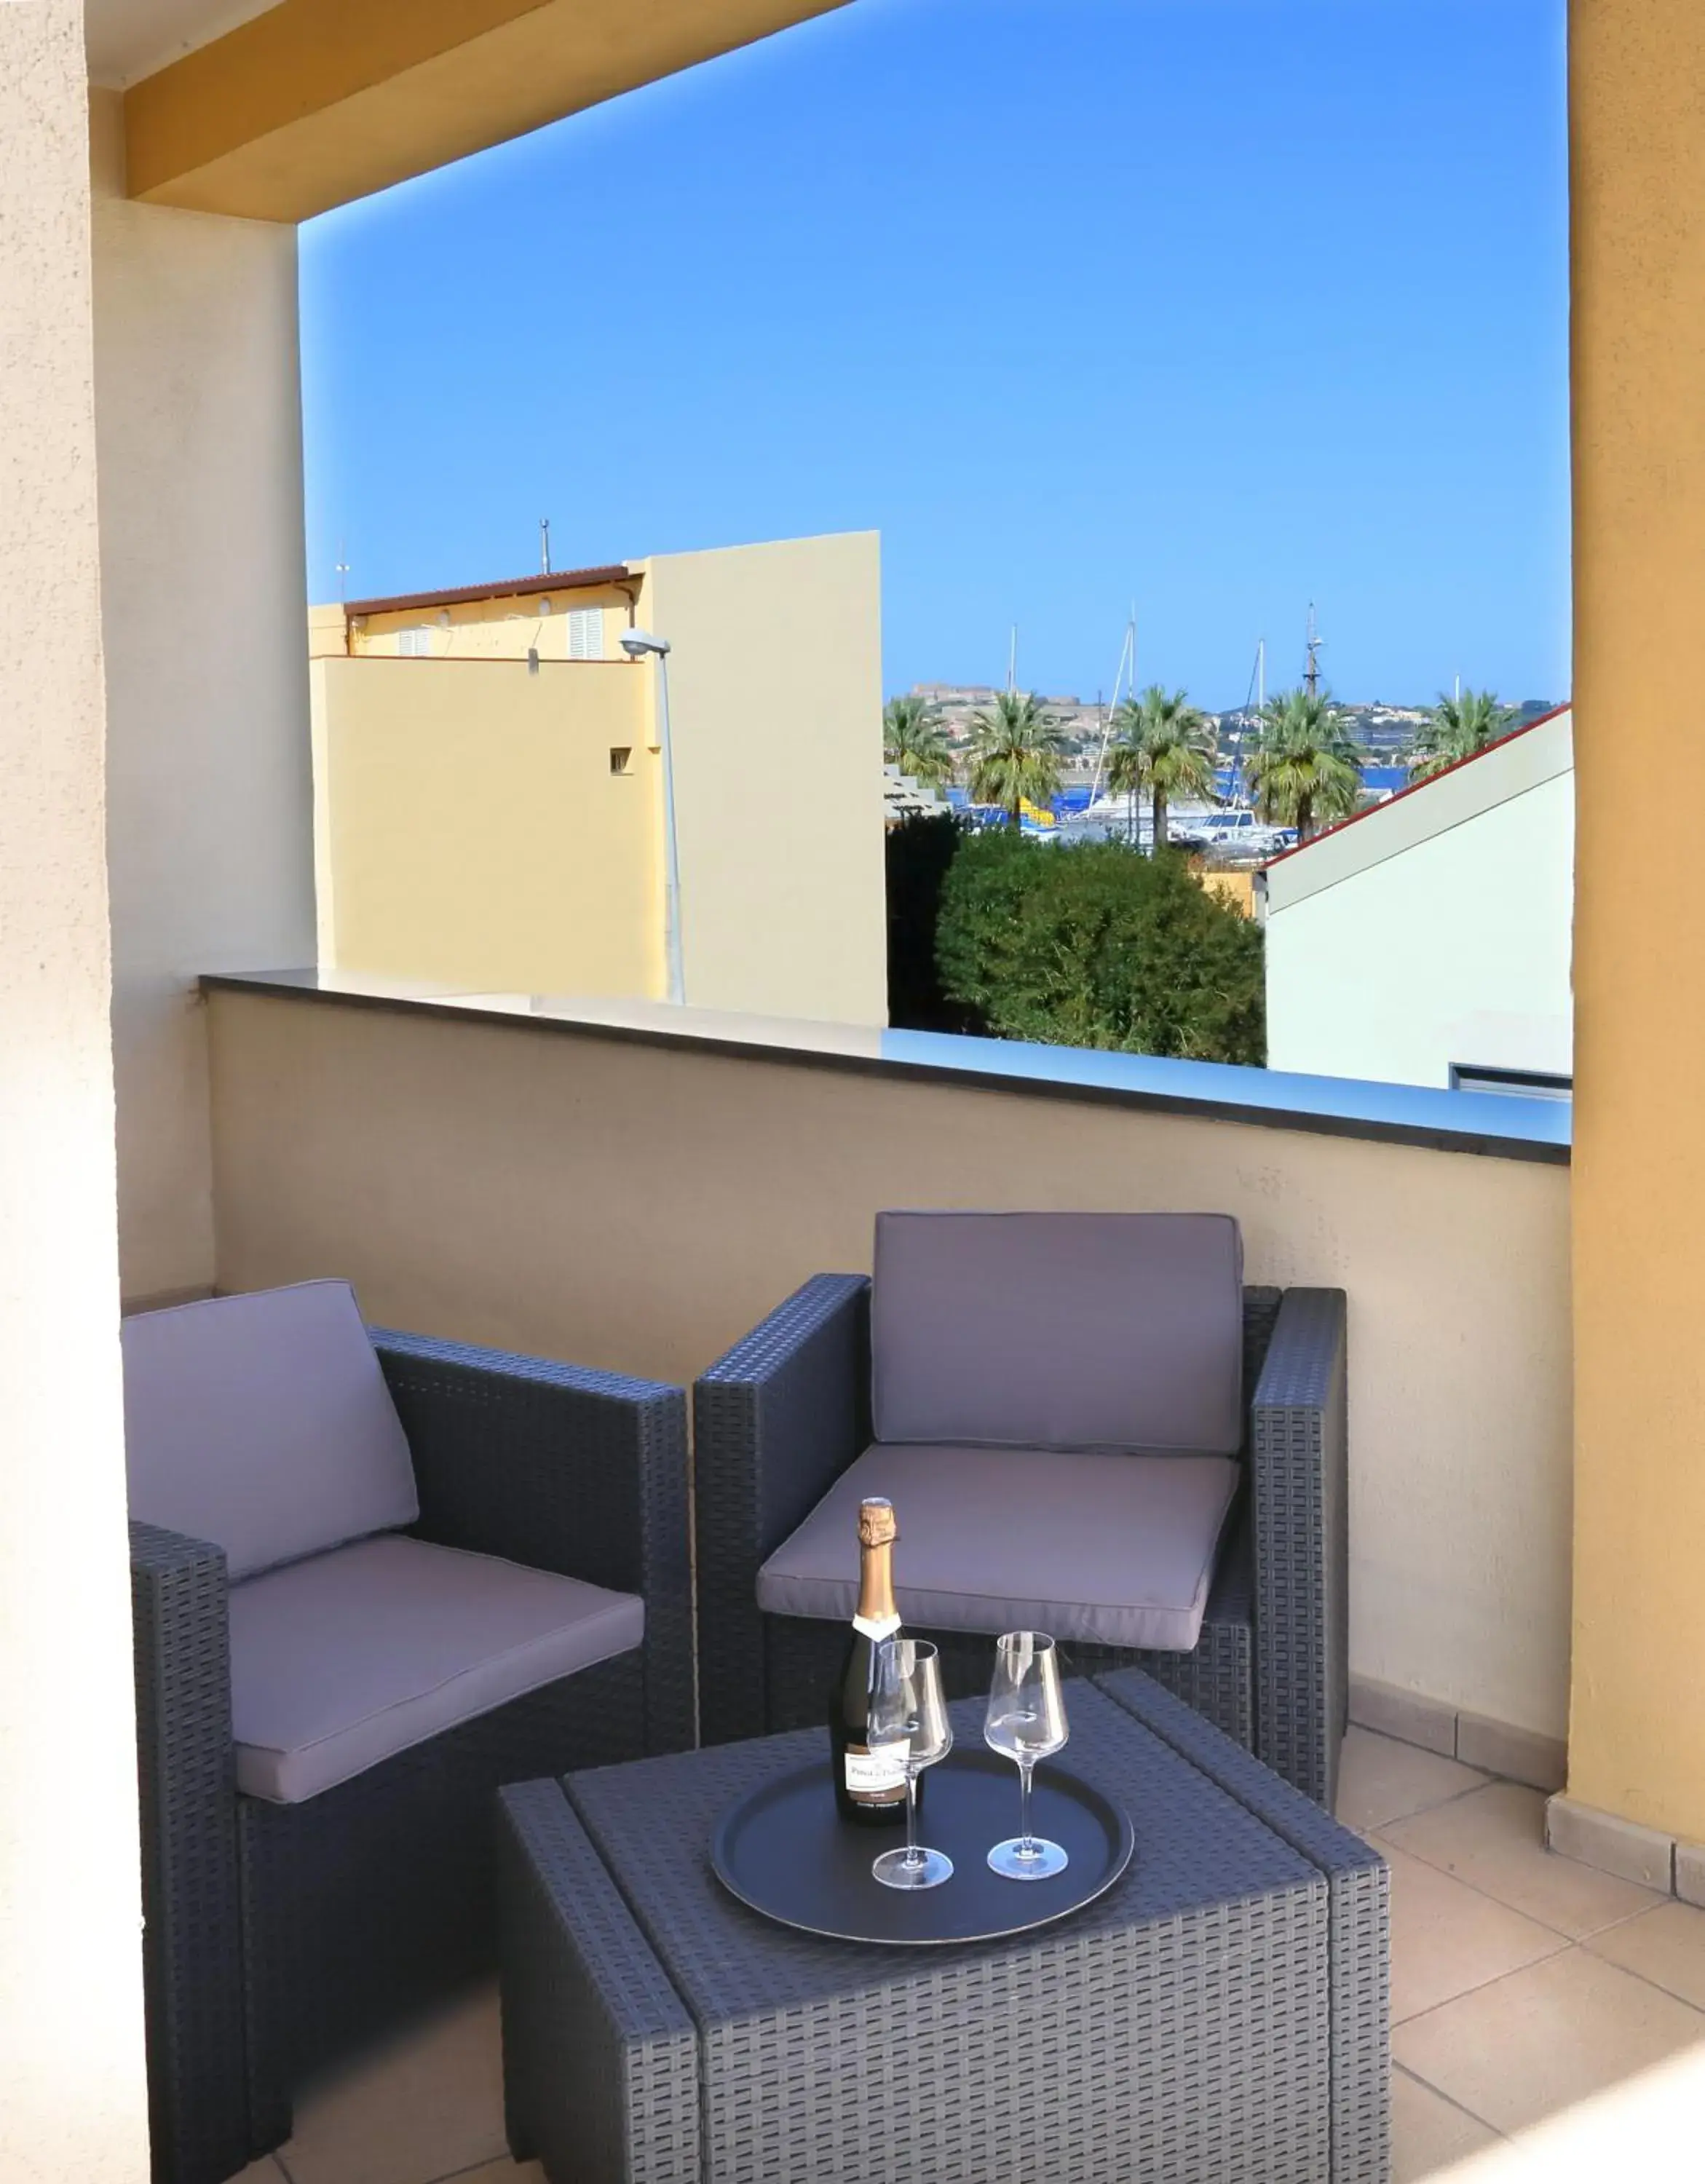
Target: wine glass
{"points": [[908, 1714], [1026, 1720]]}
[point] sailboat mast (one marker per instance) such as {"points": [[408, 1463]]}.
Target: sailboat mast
{"points": [[1131, 799], [1125, 673], [1258, 692]]}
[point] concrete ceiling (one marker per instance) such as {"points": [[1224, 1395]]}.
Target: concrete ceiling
{"points": [[128, 39]]}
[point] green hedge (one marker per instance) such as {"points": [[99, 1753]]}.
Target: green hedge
{"points": [[1095, 945]]}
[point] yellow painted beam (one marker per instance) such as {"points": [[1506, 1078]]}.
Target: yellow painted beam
{"points": [[1637, 205], [317, 101]]}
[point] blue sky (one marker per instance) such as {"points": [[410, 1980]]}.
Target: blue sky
{"points": [[1216, 305]]}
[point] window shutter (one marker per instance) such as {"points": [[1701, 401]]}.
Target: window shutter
{"points": [[586, 632]]}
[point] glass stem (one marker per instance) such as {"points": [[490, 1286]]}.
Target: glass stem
{"points": [[912, 1857], [1025, 1847]]}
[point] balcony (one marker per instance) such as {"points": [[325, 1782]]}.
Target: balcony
{"points": [[633, 1186], [1527, 1505]]}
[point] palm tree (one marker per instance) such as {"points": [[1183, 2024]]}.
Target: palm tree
{"points": [[912, 739], [1456, 728], [1127, 765], [1163, 745], [1305, 766], [1014, 754]]}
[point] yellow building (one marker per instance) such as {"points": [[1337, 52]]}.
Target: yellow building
{"points": [[489, 775]]}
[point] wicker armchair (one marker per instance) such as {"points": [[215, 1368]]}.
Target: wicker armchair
{"points": [[279, 1934], [788, 1411]]}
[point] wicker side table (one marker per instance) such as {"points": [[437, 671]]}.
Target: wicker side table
{"points": [[1186, 2028]]}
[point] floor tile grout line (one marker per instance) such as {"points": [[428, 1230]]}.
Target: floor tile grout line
{"points": [[1399, 2025], [1645, 1980], [1458, 1798], [1569, 1940], [1627, 1919], [438, 2177], [471, 2168], [1408, 2070], [1396, 1820], [1551, 1956], [1631, 1918], [1574, 1941]]}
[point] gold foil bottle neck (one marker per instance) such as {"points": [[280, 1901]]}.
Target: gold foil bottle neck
{"points": [[877, 1527]]}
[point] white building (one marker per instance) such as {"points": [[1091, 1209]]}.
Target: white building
{"points": [[1427, 940]]}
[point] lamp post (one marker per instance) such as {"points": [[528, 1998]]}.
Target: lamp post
{"points": [[641, 644]]}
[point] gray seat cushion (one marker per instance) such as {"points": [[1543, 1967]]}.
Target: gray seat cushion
{"points": [[343, 1660], [262, 1423], [1109, 1551], [1059, 1330]]}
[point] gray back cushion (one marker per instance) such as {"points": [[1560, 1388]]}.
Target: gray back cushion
{"points": [[1059, 1330], [262, 1423]]}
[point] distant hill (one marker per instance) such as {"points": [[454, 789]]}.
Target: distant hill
{"points": [[1384, 730]]}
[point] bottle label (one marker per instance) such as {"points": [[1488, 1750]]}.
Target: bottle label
{"points": [[876, 1777]]}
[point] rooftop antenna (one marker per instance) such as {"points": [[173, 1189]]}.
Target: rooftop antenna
{"points": [[1013, 661], [1310, 673], [544, 544], [342, 570]]}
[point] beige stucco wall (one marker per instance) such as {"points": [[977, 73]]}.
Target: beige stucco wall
{"points": [[72, 2100], [638, 1206], [209, 843], [775, 691], [469, 827], [328, 636], [1637, 183]]}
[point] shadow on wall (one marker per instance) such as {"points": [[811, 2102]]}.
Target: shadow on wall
{"points": [[920, 852]]}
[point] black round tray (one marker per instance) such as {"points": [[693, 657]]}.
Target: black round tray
{"points": [[784, 1850]]}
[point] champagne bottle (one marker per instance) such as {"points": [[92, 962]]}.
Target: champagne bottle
{"points": [[870, 1786]]}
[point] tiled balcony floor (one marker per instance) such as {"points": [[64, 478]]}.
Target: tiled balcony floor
{"points": [[1522, 1984]]}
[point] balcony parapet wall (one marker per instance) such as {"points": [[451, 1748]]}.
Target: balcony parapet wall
{"points": [[633, 1187]]}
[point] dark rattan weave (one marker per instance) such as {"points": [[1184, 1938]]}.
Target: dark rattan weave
{"points": [[1358, 1883], [278, 1934], [1185, 2028], [778, 1419]]}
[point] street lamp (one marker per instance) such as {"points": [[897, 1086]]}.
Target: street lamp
{"points": [[641, 644]]}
